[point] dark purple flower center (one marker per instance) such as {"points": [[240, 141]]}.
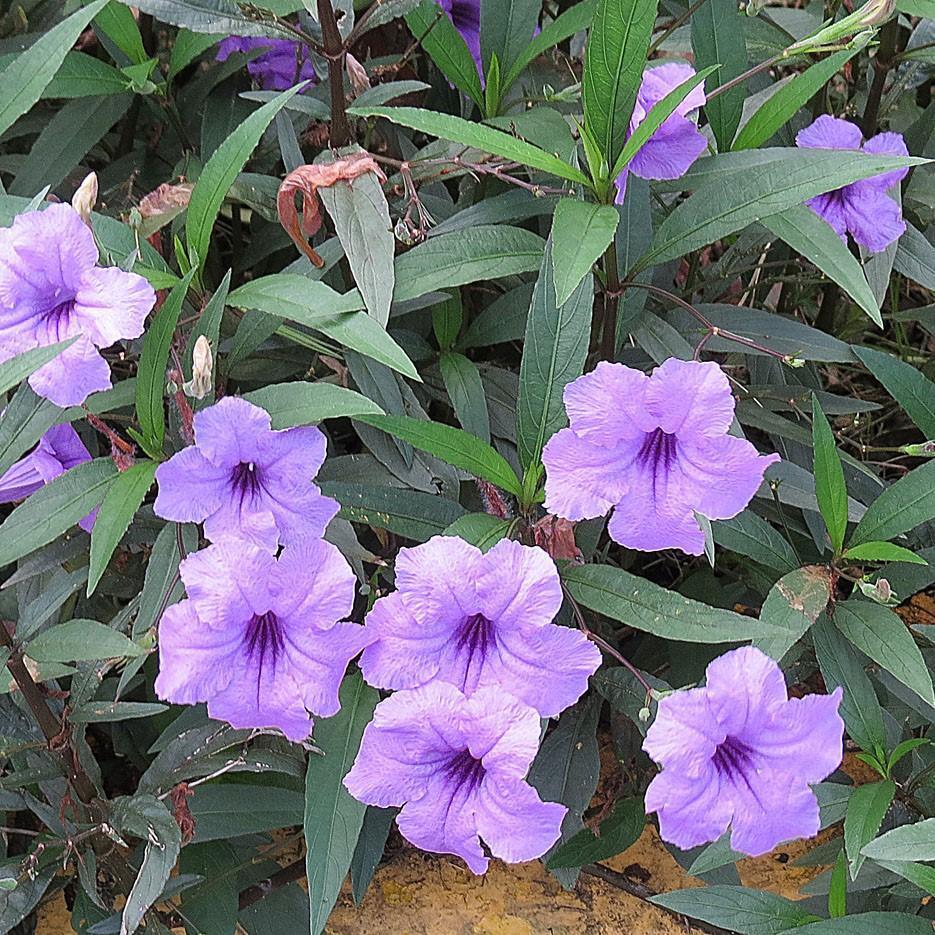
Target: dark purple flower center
{"points": [[733, 759], [475, 636], [464, 771], [264, 642], [658, 452], [57, 318], [245, 479]]}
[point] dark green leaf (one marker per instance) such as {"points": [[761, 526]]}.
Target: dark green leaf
{"points": [[581, 232], [793, 604], [749, 535], [617, 833], [223, 17], [80, 641], [18, 368], [883, 552], [736, 908], [907, 385], [506, 29], [333, 818], [466, 392], [905, 505], [25, 420], [829, 478], [870, 923], [369, 850], [480, 529], [303, 403], [866, 809], [230, 810]]}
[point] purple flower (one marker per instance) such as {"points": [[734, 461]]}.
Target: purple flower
{"points": [[862, 208], [257, 637], [58, 450], [457, 765], [478, 620], [51, 290], [284, 64], [655, 450], [670, 151], [243, 479], [465, 15], [739, 752]]}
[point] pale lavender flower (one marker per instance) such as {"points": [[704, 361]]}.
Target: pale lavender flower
{"points": [[655, 450], [258, 637], [478, 620], [283, 64], [58, 450], [862, 208], [739, 752], [243, 479], [51, 289], [670, 151], [456, 765], [465, 15]]}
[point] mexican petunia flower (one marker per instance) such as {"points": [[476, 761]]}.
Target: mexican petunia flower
{"points": [[670, 151], [862, 208], [465, 16], [478, 620], [456, 765], [243, 479], [739, 752], [257, 637], [283, 64], [51, 289], [58, 450], [655, 450]]}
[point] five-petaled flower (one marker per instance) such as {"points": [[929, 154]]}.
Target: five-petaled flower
{"points": [[655, 449], [258, 638], [670, 151], [739, 752], [862, 208], [465, 15], [243, 479], [51, 289], [58, 450], [282, 64], [478, 620], [456, 765]]}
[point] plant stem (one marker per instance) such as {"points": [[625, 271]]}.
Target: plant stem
{"points": [[608, 340], [883, 61], [335, 53]]}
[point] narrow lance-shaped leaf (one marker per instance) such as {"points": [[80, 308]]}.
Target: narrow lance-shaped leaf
{"points": [[581, 232], [907, 504], [907, 385], [829, 478]]}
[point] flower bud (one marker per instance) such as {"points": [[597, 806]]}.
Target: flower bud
{"points": [[357, 74], [202, 380], [85, 197]]}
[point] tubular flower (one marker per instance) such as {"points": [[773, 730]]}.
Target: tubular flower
{"points": [[51, 289], [740, 752], [245, 480], [478, 620], [655, 450], [456, 765], [283, 64], [257, 637]]}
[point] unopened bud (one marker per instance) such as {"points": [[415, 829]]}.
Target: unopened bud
{"points": [[921, 450], [880, 591], [644, 715], [357, 75], [794, 362], [85, 197], [875, 12], [202, 379]]}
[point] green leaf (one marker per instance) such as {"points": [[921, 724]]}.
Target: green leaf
{"points": [[751, 536], [480, 529], [303, 403], [151, 374], [220, 171], [613, 68], [554, 353], [119, 25], [222, 17], [883, 552], [840, 667], [581, 232], [477, 136], [80, 641], [446, 47], [333, 817], [837, 890], [161, 584], [907, 385], [870, 923], [829, 478], [645, 606], [809, 235], [736, 908], [477, 255], [793, 605], [506, 29], [914, 842], [408, 513], [369, 850], [466, 392], [782, 106], [717, 35], [25, 78], [921, 874], [362, 222], [731, 200], [18, 368], [905, 505], [575, 19], [453, 446], [118, 508], [617, 833], [866, 809], [229, 810], [53, 509], [447, 318], [880, 634]]}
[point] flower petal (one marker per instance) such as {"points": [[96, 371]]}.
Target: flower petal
{"points": [[829, 133], [670, 152], [690, 397], [438, 578], [691, 811], [873, 218], [659, 81], [504, 732], [313, 581], [518, 585], [888, 144], [685, 733], [70, 378], [607, 406], [191, 488], [744, 687], [111, 305], [830, 207], [231, 432], [513, 821]]}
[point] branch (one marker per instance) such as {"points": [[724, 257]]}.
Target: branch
{"points": [[335, 53]]}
